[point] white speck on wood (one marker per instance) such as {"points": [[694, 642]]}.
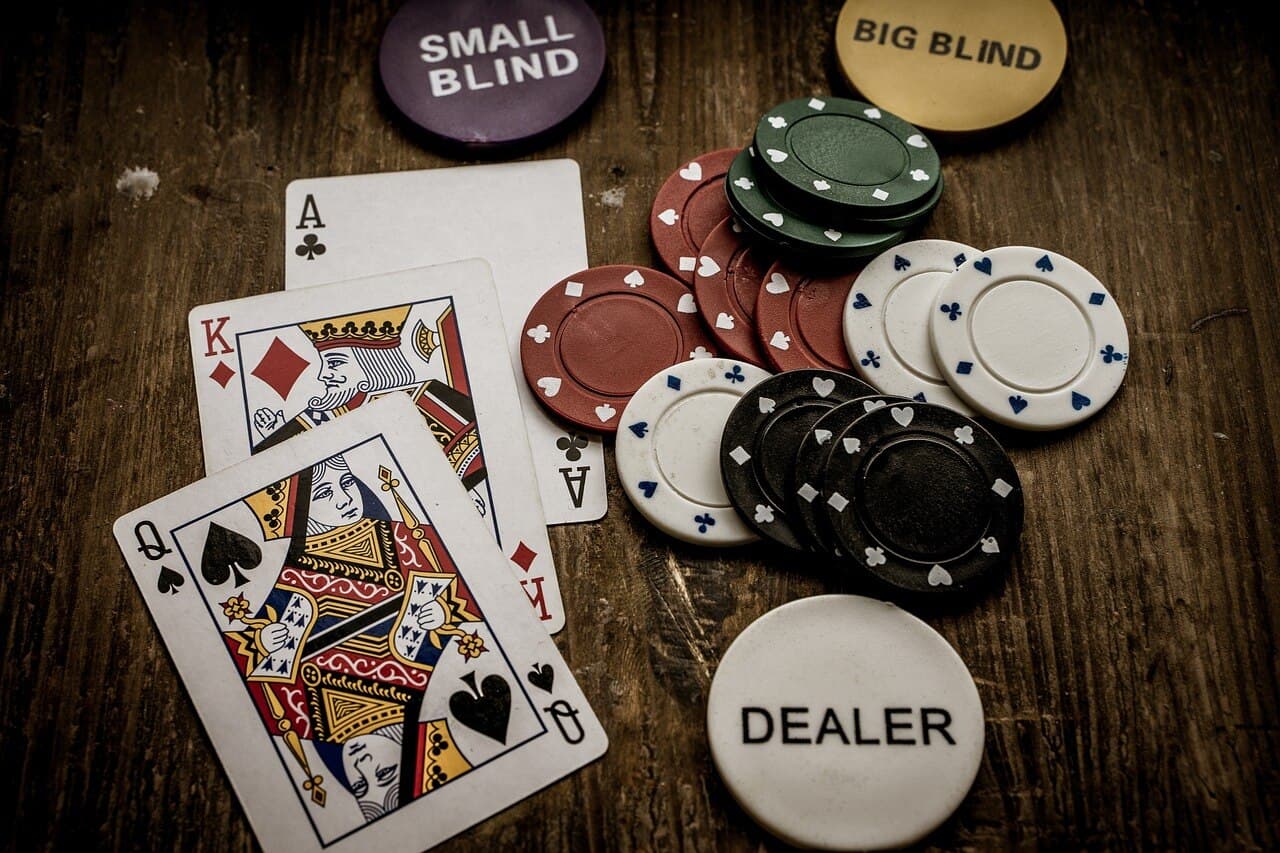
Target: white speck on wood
{"points": [[138, 183], [614, 197]]}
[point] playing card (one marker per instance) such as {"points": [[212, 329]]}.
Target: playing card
{"points": [[271, 367], [525, 219], [365, 665]]}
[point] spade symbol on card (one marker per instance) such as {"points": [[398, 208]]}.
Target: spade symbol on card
{"points": [[542, 676], [226, 553], [169, 580], [486, 710]]}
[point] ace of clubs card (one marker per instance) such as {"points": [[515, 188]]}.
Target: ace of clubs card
{"points": [[370, 679], [525, 219], [271, 367]]}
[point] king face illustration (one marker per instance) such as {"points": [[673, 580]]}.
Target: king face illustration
{"points": [[339, 655], [363, 356]]}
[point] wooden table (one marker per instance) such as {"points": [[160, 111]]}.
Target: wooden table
{"points": [[1128, 668]]}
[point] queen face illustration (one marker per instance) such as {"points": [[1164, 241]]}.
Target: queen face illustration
{"points": [[335, 495]]}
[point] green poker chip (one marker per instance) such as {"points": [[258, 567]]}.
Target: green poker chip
{"points": [[839, 159], [790, 232]]}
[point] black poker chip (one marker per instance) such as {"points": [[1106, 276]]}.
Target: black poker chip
{"points": [[760, 439], [924, 499], [808, 471]]}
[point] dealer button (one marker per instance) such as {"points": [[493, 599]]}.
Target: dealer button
{"points": [[844, 723]]}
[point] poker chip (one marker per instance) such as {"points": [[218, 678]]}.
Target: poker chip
{"points": [[688, 206], [799, 319], [788, 230], [596, 336], [952, 67], [810, 464], [834, 158], [668, 449], [840, 722], [887, 317], [491, 75], [726, 283], [760, 438], [1029, 338], [923, 498]]}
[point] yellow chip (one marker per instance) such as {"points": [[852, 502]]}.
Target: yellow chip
{"points": [[952, 66]]}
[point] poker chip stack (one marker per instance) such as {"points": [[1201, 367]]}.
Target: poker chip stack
{"points": [[915, 496], [828, 181], [824, 183]]}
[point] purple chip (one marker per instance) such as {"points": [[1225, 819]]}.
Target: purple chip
{"points": [[491, 72]]}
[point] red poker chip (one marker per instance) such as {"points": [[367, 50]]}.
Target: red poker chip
{"points": [[799, 319], [688, 206], [596, 336], [726, 283]]}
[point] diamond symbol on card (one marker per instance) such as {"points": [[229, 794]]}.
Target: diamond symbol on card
{"points": [[740, 455], [222, 374], [280, 368], [524, 556], [807, 492]]}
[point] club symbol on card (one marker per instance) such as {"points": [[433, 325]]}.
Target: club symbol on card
{"points": [[228, 553], [871, 359], [704, 521], [485, 709], [309, 248], [542, 676], [150, 546], [572, 445], [169, 580], [952, 310]]}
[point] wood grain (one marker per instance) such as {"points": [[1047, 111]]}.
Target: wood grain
{"points": [[1128, 667]]}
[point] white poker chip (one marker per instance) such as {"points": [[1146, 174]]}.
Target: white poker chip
{"points": [[1029, 338], [887, 315], [668, 449], [840, 722]]}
